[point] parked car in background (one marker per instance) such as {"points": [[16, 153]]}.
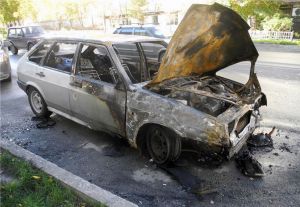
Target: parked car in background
{"points": [[142, 30], [5, 69], [24, 37]]}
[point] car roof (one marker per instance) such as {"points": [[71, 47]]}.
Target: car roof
{"points": [[18, 27], [103, 38], [138, 26]]}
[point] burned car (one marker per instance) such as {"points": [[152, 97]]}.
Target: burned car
{"points": [[110, 84]]}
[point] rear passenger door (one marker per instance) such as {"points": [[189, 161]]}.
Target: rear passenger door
{"points": [[55, 74], [94, 97]]}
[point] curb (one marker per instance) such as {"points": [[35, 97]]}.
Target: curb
{"points": [[76, 183]]}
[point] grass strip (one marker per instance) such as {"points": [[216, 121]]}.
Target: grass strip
{"points": [[34, 188]]}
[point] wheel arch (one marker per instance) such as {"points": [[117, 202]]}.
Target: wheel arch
{"points": [[33, 85], [140, 138]]}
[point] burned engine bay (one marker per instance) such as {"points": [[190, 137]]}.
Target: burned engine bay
{"points": [[210, 94]]}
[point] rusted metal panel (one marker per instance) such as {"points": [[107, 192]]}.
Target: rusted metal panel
{"points": [[209, 38]]}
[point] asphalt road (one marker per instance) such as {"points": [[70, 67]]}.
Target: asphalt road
{"points": [[111, 164]]}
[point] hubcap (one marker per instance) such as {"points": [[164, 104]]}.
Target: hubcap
{"points": [[36, 101]]}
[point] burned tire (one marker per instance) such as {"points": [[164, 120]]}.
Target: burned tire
{"points": [[163, 145], [13, 49], [37, 103]]}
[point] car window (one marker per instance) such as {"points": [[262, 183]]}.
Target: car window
{"points": [[12, 33], [126, 31], [94, 63], [130, 58], [141, 32], [40, 52], [154, 52], [117, 31], [61, 56], [19, 32]]}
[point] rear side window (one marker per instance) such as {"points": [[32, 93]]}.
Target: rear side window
{"points": [[19, 32], [39, 53], [61, 56], [127, 31]]}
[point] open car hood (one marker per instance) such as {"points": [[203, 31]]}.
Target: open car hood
{"points": [[209, 38]]}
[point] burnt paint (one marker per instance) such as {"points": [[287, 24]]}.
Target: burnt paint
{"points": [[209, 38]]}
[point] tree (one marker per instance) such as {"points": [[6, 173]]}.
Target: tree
{"points": [[14, 11], [254, 9], [137, 9]]}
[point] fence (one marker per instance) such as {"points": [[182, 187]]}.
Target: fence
{"points": [[256, 34]]}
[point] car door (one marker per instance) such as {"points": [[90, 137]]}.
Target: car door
{"points": [[55, 75], [97, 96], [18, 39]]}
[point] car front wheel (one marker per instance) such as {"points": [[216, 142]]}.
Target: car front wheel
{"points": [[164, 146], [37, 103]]}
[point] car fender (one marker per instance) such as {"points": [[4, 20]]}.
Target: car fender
{"points": [[33, 84], [145, 107]]}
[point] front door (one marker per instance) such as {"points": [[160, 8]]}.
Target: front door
{"points": [[94, 97]]}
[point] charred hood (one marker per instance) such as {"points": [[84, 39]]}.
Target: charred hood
{"points": [[209, 38]]}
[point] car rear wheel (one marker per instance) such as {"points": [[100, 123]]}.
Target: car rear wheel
{"points": [[163, 145], [14, 50], [37, 103]]}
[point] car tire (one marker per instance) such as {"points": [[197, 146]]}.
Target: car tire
{"points": [[29, 46], [13, 49], [37, 103], [163, 145]]}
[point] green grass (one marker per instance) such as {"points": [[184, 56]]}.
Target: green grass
{"points": [[34, 188], [280, 42]]}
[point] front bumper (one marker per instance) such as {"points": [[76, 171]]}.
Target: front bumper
{"points": [[22, 85]]}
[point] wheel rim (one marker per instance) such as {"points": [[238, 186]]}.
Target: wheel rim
{"points": [[158, 146], [36, 101]]}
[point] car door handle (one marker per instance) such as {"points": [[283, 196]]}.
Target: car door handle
{"points": [[41, 74]]}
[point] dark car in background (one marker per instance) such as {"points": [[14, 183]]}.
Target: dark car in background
{"points": [[142, 30], [24, 37]]}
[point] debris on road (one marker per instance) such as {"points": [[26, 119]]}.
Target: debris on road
{"points": [[248, 165], [261, 139], [43, 122], [285, 147]]}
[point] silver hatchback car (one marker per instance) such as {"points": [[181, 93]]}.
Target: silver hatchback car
{"points": [[102, 85], [5, 68]]}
